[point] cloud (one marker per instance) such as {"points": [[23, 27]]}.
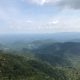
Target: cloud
{"points": [[54, 22], [75, 4], [42, 2], [62, 23], [14, 19], [15, 22]]}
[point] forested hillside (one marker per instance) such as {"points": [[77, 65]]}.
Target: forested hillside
{"points": [[48, 61], [13, 67]]}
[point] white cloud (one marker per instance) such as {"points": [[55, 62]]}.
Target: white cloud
{"points": [[59, 23], [54, 22], [65, 24], [42, 2], [11, 20], [16, 22]]}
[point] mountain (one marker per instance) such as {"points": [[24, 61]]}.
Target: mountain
{"points": [[58, 37], [59, 54], [13, 67], [55, 53], [46, 57], [45, 60]]}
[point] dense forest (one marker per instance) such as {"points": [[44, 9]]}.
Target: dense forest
{"points": [[40, 61]]}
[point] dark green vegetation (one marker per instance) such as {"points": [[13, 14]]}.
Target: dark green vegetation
{"points": [[13, 67], [40, 60]]}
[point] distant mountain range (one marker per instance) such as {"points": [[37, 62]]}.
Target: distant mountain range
{"points": [[46, 57], [58, 37]]}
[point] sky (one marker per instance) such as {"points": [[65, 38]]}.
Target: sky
{"points": [[39, 16]]}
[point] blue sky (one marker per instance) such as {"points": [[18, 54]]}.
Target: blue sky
{"points": [[39, 16]]}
